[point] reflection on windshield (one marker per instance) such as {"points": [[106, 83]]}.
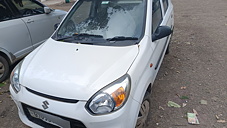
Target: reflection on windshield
{"points": [[106, 18]]}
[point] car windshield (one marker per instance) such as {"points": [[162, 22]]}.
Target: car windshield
{"points": [[104, 22]]}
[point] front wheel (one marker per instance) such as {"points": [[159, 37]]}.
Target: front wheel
{"points": [[4, 69], [144, 111]]}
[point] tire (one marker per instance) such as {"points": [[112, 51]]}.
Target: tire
{"points": [[144, 111], [4, 69]]}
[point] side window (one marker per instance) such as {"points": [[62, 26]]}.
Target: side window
{"points": [[156, 15], [5, 13], [165, 5], [28, 7]]}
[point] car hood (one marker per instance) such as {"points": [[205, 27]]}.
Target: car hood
{"points": [[74, 71]]}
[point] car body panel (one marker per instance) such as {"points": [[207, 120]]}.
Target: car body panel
{"points": [[24, 25], [79, 71], [42, 26], [90, 68], [26, 36], [20, 42], [76, 111]]}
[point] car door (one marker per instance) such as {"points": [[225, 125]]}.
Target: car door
{"points": [[167, 12], [40, 25], [14, 35], [160, 17], [158, 45]]}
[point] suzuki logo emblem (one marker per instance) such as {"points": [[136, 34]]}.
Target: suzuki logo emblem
{"points": [[45, 105]]}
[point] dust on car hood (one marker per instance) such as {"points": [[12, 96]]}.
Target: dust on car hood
{"points": [[74, 71]]}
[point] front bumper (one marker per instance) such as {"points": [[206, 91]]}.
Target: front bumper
{"points": [[61, 113]]}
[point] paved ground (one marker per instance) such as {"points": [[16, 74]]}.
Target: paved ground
{"points": [[197, 62]]}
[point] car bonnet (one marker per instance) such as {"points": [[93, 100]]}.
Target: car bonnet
{"points": [[74, 71]]}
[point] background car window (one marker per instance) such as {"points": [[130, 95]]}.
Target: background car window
{"points": [[28, 7], [165, 5], [5, 13], [156, 15]]}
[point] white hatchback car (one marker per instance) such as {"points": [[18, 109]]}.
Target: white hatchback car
{"points": [[97, 69], [24, 25]]}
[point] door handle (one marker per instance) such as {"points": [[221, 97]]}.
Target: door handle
{"points": [[30, 21]]}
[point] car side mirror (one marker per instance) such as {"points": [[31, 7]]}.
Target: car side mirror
{"points": [[47, 10], [161, 32]]}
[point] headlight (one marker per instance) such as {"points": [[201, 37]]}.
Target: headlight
{"points": [[14, 78], [110, 98]]}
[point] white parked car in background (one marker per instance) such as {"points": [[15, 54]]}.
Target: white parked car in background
{"points": [[24, 25], [98, 68]]}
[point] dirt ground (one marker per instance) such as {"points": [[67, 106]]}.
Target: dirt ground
{"points": [[194, 70]]}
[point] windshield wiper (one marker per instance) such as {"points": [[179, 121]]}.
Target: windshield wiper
{"points": [[87, 35], [80, 35], [121, 38]]}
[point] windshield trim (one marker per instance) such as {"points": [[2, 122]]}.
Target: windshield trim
{"points": [[144, 22]]}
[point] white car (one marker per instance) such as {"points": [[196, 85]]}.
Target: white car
{"points": [[97, 69], [24, 25]]}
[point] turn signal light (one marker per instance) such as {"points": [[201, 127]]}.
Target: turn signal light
{"points": [[119, 96]]}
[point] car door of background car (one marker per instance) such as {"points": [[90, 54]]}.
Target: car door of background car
{"points": [[40, 25], [14, 35]]}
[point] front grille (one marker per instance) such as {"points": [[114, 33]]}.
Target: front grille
{"points": [[73, 123], [52, 97]]}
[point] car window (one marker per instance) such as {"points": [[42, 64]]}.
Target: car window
{"points": [[156, 15], [5, 13], [165, 5], [111, 20], [82, 13], [28, 7]]}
